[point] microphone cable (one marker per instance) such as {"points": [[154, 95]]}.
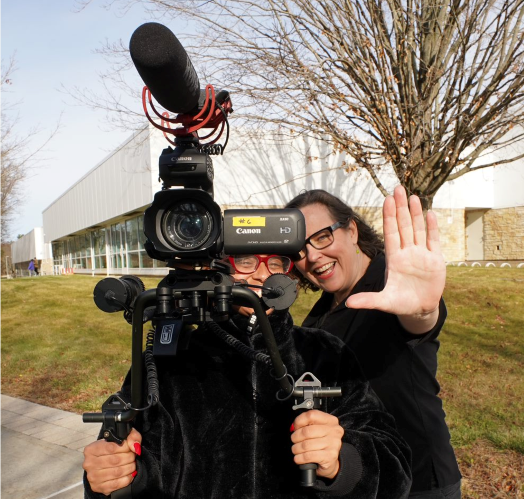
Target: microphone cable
{"points": [[236, 344]]}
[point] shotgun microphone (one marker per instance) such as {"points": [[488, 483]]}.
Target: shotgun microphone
{"points": [[165, 68]]}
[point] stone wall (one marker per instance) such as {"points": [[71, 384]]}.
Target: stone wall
{"points": [[46, 266], [372, 216], [451, 226], [504, 234]]}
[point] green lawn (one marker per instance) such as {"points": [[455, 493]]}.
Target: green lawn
{"points": [[58, 349]]}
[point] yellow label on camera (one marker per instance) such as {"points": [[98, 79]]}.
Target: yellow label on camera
{"points": [[249, 221]]}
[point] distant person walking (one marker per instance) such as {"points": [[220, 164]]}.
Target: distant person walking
{"points": [[35, 262], [31, 268]]}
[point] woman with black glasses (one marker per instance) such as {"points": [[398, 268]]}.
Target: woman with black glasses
{"points": [[219, 431], [384, 301]]}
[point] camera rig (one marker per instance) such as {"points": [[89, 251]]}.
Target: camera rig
{"points": [[184, 228]]}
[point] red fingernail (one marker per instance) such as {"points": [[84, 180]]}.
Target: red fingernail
{"points": [[135, 473], [138, 449], [292, 429]]}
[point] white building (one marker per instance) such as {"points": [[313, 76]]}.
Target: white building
{"points": [[97, 225], [30, 247]]}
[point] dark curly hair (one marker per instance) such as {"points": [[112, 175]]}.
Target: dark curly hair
{"points": [[369, 242]]}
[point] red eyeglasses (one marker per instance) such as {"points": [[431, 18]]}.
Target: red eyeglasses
{"points": [[247, 264]]}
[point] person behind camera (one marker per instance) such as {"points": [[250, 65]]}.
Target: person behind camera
{"points": [[384, 300], [219, 431]]}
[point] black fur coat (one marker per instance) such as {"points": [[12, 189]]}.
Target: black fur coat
{"points": [[219, 432]]}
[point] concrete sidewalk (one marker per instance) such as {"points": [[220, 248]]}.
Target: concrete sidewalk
{"points": [[42, 451]]}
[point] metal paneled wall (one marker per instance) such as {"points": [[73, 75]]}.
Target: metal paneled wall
{"points": [[121, 183], [31, 245]]}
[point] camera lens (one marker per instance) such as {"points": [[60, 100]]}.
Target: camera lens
{"points": [[187, 225]]}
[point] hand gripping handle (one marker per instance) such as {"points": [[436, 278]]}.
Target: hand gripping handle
{"points": [[116, 426], [309, 394]]}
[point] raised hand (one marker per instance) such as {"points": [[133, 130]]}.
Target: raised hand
{"points": [[110, 466], [415, 267], [317, 438]]}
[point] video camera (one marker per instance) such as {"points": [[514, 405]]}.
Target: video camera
{"points": [[184, 223], [185, 228]]}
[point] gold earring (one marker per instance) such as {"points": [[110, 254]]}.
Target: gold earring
{"points": [[358, 251]]}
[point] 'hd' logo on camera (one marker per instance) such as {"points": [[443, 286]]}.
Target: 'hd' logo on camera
{"points": [[272, 231]]}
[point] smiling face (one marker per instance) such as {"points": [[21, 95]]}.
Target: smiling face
{"points": [[337, 268], [257, 278]]}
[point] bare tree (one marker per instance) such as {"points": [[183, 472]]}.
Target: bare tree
{"points": [[427, 87], [17, 155]]}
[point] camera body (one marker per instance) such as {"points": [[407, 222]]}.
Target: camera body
{"points": [[185, 225], [270, 231]]}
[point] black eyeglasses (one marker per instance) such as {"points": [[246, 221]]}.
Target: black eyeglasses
{"points": [[322, 238], [247, 264]]}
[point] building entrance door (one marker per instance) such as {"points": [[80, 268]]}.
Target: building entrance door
{"points": [[475, 235]]}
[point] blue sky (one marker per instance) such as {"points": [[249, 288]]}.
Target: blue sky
{"points": [[54, 46]]}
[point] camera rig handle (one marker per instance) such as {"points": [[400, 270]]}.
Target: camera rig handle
{"points": [[308, 394], [149, 298], [191, 288], [115, 418]]}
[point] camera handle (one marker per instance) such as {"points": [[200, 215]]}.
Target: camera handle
{"points": [[308, 394], [117, 416]]}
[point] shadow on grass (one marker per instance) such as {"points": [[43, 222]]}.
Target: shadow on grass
{"points": [[502, 342]]}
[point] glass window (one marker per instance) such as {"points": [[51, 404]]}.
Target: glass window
{"points": [[132, 234], [99, 241], [124, 242], [115, 239], [147, 261], [80, 242], [133, 260], [87, 245], [121, 229], [141, 235], [71, 246], [58, 252], [116, 262]]}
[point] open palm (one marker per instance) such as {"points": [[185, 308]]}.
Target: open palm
{"points": [[415, 267]]}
